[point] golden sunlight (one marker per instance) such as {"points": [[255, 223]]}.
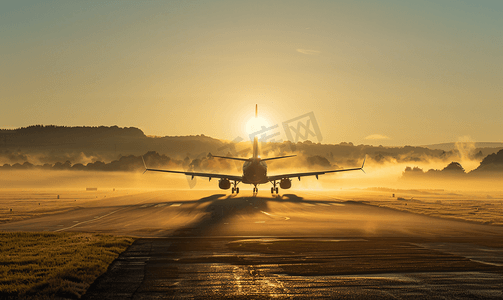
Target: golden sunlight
{"points": [[255, 125]]}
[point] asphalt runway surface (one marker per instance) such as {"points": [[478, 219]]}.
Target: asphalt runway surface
{"points": [[202, 244]]}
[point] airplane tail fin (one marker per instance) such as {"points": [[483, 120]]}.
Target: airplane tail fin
{"points": [[255, 140], [255, 148]]}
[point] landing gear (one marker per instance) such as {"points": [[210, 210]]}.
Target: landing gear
{"points": [[274, 188], [235, 188], [255, 190]]}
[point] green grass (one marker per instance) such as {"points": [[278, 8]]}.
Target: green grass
{"points": [[54, 265]]}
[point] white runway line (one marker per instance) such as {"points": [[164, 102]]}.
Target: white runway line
{"points": [[176, 204], [95, 219], [98, 218], [271, 215]]}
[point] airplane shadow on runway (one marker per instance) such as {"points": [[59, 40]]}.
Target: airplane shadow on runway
{"points": [[222, 208]]}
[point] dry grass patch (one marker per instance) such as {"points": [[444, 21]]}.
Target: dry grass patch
{"points": [[54, 265]]}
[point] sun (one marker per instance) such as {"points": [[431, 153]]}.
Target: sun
{"points": [[256, 124]]}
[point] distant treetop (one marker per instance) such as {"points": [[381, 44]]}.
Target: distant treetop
{"points": [[131, 131]]}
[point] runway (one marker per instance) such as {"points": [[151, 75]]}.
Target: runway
{"points": [[375, 268], [298, 245], [210, 214]]}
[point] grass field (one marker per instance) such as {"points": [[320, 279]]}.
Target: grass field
{"points": [[54, 265]]}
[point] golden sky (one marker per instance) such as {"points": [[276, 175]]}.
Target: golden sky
{"points": [[372, 72]]}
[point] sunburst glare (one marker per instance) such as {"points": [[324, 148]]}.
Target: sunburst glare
{"points": [[255, 125]]}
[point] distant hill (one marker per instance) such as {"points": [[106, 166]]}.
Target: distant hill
{"points": [[48, 145], [491, 166], [491, 163], [40, 136], [58, 143]]}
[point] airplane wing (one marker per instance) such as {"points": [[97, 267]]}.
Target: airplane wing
{"points": [[207, 175], [198, 174], [229, 157], [278, 157], [299, 175]]}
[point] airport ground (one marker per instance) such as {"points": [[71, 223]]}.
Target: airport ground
{"points": [[302, 244]]}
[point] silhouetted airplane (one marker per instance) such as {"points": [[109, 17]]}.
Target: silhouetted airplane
{"points": [[254, 172]]}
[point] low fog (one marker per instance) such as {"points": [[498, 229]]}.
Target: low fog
{"points": [[77, 157], [463, 168]]}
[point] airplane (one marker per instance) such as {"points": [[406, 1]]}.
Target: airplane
{"points": [[254, 172]]}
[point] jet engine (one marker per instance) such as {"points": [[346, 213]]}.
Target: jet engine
{"points": [[224, 184], [285, 183]]}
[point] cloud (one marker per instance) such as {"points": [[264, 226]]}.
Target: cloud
{"points": [[377, 137], [309, 52]]}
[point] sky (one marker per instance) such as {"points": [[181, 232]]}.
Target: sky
{"points": [[386, 72]]}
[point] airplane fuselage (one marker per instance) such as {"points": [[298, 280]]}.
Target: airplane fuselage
{"points": [[255, 171]]}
